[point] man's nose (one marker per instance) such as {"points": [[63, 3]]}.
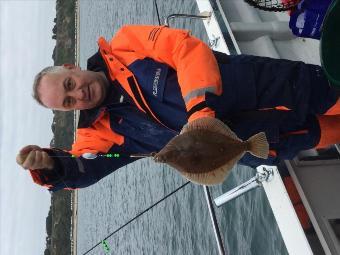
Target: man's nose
{"points": [[78, 94]]}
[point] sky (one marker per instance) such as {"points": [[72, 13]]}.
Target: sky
{"points": [[26, 47]]}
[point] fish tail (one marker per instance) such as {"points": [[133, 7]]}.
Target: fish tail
{"points": [[258, 145]]}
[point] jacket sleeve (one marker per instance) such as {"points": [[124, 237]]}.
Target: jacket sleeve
{"points": [[196, 66], [71, 172]]}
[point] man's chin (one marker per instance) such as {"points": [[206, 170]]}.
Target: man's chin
{"points": [[99, 103]]}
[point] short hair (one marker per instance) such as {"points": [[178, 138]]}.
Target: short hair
{"points": [[39, 76]]}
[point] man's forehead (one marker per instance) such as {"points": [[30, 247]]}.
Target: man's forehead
{"points": [[52, 81], [54, 76], [49, 85], [49, 92]]}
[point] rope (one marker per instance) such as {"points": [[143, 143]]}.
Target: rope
{"points": [[271, 5], [137, 216]]}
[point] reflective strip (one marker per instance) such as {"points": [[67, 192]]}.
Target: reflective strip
{"points": [[199, 92]]}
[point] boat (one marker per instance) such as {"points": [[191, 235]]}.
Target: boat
{"points": [[234, 27]]}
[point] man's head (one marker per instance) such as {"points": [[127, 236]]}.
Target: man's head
{"points": [[67, 88]]}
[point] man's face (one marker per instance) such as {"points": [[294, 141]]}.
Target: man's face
{"points": [[72, 89]]}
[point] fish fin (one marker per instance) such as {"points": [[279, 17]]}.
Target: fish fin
{"points": [[211, 124], [258, 145]]}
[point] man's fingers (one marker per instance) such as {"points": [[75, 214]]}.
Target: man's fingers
{"points": [[24, 152], [20, 159], [28, 148], [33, 157], [38, 158], [47, 161], [29, 161]]}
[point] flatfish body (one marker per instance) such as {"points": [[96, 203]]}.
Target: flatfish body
{"points": [[206, 150]]}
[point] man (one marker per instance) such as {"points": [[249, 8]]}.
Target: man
{"points": [[143, 86]]}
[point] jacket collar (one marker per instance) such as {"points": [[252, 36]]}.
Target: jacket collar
{"points": [[114, 92]]}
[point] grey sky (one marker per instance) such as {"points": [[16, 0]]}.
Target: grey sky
{"points": [[25, 47]]}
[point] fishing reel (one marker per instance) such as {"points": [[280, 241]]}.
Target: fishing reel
{"points": [[273, 5]]}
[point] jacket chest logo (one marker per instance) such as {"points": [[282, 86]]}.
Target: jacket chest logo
{"points": [[155, 82]]}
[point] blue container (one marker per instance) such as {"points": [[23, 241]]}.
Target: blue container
{"points": [[307, 19]]}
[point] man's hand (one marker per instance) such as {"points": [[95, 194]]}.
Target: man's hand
{"points": [[33, 157]]}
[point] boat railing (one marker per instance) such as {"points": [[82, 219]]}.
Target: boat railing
{"points": [[203, 15]]}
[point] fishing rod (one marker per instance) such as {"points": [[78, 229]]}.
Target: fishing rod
{"points": [[156, 6], [91, 156], [88, 155], [103, 241]]}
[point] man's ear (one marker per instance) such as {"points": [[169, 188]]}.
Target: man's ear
{"points": [[71, 66]]}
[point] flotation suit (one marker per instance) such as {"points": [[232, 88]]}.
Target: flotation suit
{"points": [[177, 68]]}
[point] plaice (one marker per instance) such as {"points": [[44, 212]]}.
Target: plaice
{"points": [[206, 150]]}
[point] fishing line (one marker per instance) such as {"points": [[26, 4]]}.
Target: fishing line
{"points": [[159, 20], [88, 155], [137, 216], [94, 156]]}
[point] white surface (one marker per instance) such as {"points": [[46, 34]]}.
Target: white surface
{"points": [[286, 218], [212, 27]]}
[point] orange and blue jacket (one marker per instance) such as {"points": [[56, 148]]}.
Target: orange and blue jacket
{"points": [[161, 78], [150, 67]]}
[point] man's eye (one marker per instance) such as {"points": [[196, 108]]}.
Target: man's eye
{"points": [[69, 84]]}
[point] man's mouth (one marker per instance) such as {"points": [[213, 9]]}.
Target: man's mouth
{"points": [[88, 93]]}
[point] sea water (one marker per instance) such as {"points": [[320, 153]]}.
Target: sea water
{"points": [[179, 224]]}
